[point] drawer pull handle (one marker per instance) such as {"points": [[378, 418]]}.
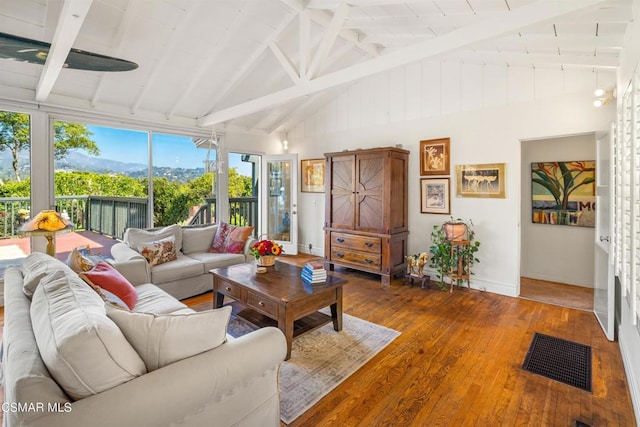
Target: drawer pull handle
{"points": [[340, 255], [340, 240], [368, 244], [261, 304], [227, 288], [368, 261]]}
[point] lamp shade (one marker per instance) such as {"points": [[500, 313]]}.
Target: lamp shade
{"points": [[46, 222]]}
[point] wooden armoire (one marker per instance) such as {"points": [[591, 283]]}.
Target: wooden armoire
{"points": [[366, 210]]}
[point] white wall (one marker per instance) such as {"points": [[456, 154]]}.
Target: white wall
{"points": [[490, 135], [628, 334], [558, 253], [486, 111]]}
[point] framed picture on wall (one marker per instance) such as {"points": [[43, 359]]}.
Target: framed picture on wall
{"points": [[564, 193], [485, 180], [434, 157], [312, 175], [434, 195]]}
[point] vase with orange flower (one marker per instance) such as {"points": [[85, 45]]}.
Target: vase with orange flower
{"points": [[265, 252]]}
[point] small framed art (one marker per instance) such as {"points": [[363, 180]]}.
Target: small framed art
{"points": [[434, 195], [486, 180], [312, 174], [434, 157]]}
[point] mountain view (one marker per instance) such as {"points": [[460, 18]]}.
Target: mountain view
{"points": [[76, 161]]}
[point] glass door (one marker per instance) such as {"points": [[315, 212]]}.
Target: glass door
{"points": [[279, 200]]}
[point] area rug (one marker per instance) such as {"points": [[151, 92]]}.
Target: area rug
{"points": [[322, 359]]}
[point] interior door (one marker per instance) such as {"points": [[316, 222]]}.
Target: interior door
{"points": [[279, 197], [604, 291]]}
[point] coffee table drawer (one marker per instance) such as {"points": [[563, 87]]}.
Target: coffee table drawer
{"points": [[229, 289], [262, 304]]}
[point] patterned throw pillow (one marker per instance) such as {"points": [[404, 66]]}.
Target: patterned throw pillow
{"points": [[79, 262], [159, 252], [220, 239], [230, 239], [236, 239]]}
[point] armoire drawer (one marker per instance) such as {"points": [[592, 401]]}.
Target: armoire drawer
{"points": [[355, 242], [369, 261]]}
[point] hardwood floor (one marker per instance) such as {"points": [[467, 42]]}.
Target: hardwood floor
{"points": [[458, 362], [557, 293]]}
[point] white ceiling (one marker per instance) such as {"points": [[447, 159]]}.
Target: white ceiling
{"points": [[236, 64]]}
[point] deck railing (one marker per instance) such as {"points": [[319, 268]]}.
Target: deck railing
{"points": [[113, 215]]}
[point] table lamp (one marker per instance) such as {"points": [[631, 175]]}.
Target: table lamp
{"points": [[47, 224]]}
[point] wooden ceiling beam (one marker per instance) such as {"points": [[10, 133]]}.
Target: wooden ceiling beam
{"points": [[505, 23], [325, 18], [330, 36], [72, 15]]}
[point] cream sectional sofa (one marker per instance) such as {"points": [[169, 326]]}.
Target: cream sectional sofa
{"points": [[65, 326], [189, 274]]}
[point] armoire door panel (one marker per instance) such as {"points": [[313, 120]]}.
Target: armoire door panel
{"points": [[342, 211], [369, 217]]}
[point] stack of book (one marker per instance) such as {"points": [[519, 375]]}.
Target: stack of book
{"points": [[314, 272]]}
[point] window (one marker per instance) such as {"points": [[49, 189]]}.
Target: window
{"points": [[15, 185]]}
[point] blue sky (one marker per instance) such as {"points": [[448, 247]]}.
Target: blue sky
{"points": [[168, 150]]}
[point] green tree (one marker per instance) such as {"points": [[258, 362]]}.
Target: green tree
{"points": [[94, 184], [169, 202], [72, 136], [239, 185], [15, 137]]}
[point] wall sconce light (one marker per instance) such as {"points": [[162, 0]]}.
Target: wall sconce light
{"points": [[603, 97]]}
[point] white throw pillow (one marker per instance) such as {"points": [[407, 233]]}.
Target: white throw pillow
{"points": [[197, 239], [85, 352], [134, 237], [162, 339], [36, 266]]}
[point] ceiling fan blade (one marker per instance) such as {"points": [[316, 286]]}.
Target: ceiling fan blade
{"points": [[35, 52]]}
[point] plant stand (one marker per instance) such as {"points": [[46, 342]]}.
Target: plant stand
{"points": [[462, 270], [424, 279]]}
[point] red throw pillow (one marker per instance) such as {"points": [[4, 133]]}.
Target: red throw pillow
{"points": [[230, 239], [236, 239], [108, 278], [220, 239]]}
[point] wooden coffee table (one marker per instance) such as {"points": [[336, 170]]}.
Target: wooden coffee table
{"points": [[279, 294]]}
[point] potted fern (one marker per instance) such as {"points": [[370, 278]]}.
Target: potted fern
{"points": [[447, 261]]}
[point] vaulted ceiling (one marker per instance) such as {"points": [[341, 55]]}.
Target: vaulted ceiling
{"points": [[262, 65]]}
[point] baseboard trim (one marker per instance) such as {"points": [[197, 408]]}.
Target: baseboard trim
{"points": [[627, 362], [505, 289]]}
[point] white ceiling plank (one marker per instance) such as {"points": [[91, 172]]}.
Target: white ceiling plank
{"points": [[332, 4], [125, 26], [330, 36], [305, 46], [182, 21], [505, 23], [565, 42], [286, 63], [71, 18], [511, 58], [251, 62]]}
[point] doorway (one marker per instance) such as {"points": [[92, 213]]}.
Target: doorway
{"points": [[556, 261]]}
